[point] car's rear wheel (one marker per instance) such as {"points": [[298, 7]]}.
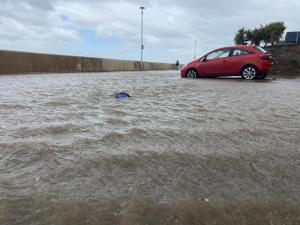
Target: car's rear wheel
{"points": [[192, 74], [249, 72]]}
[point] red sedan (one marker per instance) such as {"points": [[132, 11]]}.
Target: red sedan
{"points": [[250, 62]]}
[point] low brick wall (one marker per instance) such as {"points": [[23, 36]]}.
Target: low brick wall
{"points": [[286, 60], [22, 62]]}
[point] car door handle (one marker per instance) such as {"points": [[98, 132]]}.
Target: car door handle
{"points": [[224, 61]]}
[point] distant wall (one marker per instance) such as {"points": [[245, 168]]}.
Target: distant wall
{"points": [[286, 60], [22, 62]]}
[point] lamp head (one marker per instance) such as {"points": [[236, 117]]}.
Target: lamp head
{"points": [[142, 8]]}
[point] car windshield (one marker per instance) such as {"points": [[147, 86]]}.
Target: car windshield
{"points": [[261, 49]]}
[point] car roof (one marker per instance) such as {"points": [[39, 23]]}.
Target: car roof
{"points": [[241, 47], [246, 47]]}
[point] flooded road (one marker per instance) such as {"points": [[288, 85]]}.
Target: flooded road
{"points": [[179, 151]]}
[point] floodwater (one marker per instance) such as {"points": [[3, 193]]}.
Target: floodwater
{"points": [[179, 151]]}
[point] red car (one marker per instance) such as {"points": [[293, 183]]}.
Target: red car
{"points": [[250, 62]]}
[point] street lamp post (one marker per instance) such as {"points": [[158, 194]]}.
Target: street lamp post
{"points": [[195, 50], [142, 35]]}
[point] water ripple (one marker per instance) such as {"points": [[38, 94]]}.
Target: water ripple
{"points": [[178, 151]]}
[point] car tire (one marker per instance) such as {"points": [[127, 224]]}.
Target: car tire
{"points": [[192, 74], [250, 73]]}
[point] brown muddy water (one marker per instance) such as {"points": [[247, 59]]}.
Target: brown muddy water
{"points": [[205, 151]]}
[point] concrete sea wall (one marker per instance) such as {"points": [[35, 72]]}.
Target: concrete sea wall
{"points": [[12, 62], [286, 60]]}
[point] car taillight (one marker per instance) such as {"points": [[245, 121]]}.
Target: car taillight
{"points": [[266, 57]]}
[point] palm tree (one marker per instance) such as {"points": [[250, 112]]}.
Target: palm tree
{"points": [[240, 37], [255, 36]]}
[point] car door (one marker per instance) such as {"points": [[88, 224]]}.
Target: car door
{"points": [[216, 63], [237, 60]]}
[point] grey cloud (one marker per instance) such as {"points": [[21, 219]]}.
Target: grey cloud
{"points": [[45, 5], [33, 25]]}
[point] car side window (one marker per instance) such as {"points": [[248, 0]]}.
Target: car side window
{"points": [[218, 54], [237, 52]]}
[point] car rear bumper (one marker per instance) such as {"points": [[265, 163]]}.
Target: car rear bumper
{"points": [[266, 67]]}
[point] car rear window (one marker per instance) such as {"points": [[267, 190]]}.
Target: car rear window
{"points": [[237, 52], [261, 49]]}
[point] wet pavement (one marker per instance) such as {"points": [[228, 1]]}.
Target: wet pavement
{"points": [[179, 151]]}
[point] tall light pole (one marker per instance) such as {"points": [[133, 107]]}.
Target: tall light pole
{"points": [[195, 50], [142, 36]]}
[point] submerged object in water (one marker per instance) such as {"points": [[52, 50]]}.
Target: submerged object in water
{"points": [[121, 95]]}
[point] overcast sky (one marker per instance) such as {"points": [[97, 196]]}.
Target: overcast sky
{"points": [[111, 28]]}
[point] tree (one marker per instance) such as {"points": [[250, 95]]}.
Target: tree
{"points": [[275, 32], [269, 34], [240, 37], [255, 36], [265, 34]]}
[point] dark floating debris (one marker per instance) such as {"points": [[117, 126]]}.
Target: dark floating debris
{"points": [[121, 95]]}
